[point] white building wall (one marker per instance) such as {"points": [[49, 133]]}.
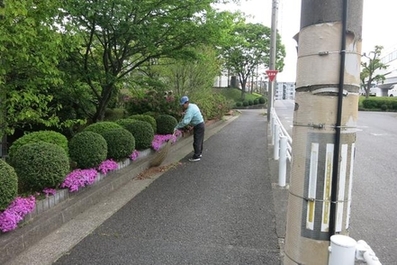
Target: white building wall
{"points": [[284, 90]]}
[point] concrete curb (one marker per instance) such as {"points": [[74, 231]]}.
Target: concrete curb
{"points": [[54, 216]]}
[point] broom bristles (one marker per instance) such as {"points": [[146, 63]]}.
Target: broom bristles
{"points": [[161, 155]]}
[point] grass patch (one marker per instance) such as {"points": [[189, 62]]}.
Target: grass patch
{"points": [[235, 94]]}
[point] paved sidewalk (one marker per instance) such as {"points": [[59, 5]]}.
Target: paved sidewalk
{"points": [[220, 210]]}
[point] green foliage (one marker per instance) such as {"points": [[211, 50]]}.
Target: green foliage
{"points": [[239, 104], [114, 114], [148, 118], [262, 100], [245, 103], [256, 101], [191, 75], [157, 101], [141, 130], [120, 142], [250, 102], [370, 67], [102, 126], [378, 103], [31, 49], [166, 124], [88, 149], [235, 94], [118, 39], [39, 136], [8, 184], [249, 46], [40, 165], [212, 106]]}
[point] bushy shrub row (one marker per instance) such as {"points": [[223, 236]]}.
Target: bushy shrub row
{"points": [[141, 130], [251, 102], [43, 159], [380, 103]]}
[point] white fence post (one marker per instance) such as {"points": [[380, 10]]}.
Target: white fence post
{"points": [[276, 141], [282, 165], [342, 250]]}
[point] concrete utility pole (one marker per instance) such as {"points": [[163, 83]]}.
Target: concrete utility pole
{"points": [[324, 135], [272, 63]]}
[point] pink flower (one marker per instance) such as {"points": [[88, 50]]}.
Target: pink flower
{"points": [[134, 155], [107, 165], [79, 178], [159, 139], [49, 191], [15, 212]]}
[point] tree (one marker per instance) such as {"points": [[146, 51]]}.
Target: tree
{"points": [[368, 73], [249, 47], [30, 52], [191, 76], [120, 36]]}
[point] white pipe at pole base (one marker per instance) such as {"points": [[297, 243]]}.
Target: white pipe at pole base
{"points": [[282, 165], [276, 151], [364, 252], [342, 250]]}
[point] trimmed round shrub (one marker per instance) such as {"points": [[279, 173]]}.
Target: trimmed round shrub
{"points": [[148, 118], [141, 130], [250, 102], [245, 103], [262, 100], [39, 136], [102, 126], [8, 184], [88, 149], [120, 142], [40, 165], [166, 124], [239, 104], [256, 101]]}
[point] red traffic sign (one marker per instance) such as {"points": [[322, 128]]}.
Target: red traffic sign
{"points": [[271, 74]]}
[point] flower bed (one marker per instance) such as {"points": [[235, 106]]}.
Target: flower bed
{"points": [[74, 181]]}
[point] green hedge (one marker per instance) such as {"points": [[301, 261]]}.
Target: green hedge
{"points": [[166, 124], [8, 184], [120, 142], [379, 103], [141, 130], [102, 126], [39, 136], [88, 149], [144, 117], [40, 165]]}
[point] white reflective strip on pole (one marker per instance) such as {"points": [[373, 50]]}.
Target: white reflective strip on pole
{"points": [[282, 166], [342, 250], [276, 150]]}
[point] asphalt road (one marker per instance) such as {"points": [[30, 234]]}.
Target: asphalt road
{"points": [[216, 211], [374, 196]]}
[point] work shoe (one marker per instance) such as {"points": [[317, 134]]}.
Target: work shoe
{"points": [[194, 159], [200, 155]]}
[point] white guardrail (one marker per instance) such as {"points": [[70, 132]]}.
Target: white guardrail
{"points": [[282, 143], [343, 250]]}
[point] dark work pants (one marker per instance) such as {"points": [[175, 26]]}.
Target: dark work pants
{"points": [[198, 139]]}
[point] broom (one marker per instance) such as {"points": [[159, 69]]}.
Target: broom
{"points": [[161, 155]]}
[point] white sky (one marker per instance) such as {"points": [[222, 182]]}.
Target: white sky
{"points": [[378, 26]]}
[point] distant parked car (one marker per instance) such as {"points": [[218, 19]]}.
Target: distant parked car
{"points": [[373, 92], [392, 92]]}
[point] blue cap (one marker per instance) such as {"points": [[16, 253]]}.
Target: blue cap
{"points": [[184, 99]]}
